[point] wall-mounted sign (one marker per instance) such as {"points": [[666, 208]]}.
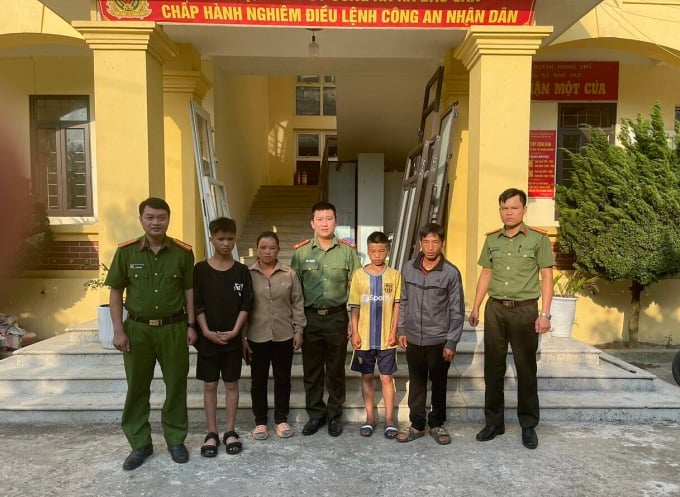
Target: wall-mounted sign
{"points": [[324, 13], [565, 80], [542, 163]]}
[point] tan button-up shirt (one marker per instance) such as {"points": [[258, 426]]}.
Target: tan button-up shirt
{"points": [[278, 311]]}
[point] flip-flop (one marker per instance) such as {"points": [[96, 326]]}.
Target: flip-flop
{"points": [[232, 447], [366, 430], [440, 435], [260, 432], [391, 432], [208, 450], [409, 435]]}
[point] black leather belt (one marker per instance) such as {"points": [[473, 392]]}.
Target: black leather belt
{"points": [[157, 321], [514, 303], [326, 311]]}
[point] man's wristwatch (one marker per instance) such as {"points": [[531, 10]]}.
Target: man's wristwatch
{"points": [[545, 315], [191, 325]]}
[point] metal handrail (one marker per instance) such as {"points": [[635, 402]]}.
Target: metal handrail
{"points": [[323, 170]]}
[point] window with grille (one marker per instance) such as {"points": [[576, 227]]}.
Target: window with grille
{"points": [[309, 154], [60, 154], [575, 122], [315, 96]]}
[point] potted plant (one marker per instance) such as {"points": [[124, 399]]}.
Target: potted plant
{"points": [[566, 288], [104, 323]]}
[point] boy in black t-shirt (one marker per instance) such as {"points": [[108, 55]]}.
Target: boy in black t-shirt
{"points": [[223, 294]]}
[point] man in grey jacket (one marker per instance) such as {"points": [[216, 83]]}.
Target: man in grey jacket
{"points": [[431, 314]]}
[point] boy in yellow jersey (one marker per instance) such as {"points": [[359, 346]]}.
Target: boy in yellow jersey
{"points": [[374, 301]]}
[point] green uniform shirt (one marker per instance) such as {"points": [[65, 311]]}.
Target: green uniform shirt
{"points": [[325, 274], [154, 283], [515, 262]]}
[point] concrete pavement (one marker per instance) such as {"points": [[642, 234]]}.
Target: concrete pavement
{"points": [[618, 460]]}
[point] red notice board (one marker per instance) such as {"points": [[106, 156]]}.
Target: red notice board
{"points": [[542, 146], [569, 81]]}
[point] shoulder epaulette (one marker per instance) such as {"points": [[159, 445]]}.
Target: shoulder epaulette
{"points": [[492, 232], [182, 244], [538, 230], [128, 243], [301, 244], [349, 244]]}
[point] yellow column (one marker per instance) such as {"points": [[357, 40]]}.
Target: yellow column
{"points": [[128, 117], [456, 87], [183, 82], [499, 62]]}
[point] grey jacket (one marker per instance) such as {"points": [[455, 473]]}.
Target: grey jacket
{"points": [[432, 305]]}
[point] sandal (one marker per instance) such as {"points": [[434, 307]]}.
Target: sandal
{"points": [[409, 435], [260, 432], [391, 432], [232, 447], [366, 430], [208, 450], [440, 435], [283, 430]]}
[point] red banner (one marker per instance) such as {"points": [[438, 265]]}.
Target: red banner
{"points": [[325, 13], [567, 80], [542, 146]]}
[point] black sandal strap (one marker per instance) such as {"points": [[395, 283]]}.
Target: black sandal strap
{"points": [[229, 434], [214, 436]]}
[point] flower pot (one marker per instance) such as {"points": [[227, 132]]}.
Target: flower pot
{"points": [[105, 325], [563, 310]]}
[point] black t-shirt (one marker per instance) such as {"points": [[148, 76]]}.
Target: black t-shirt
{"points": [[221, 296]]}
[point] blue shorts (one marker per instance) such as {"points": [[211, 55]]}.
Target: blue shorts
{"points": [[364, 361]]}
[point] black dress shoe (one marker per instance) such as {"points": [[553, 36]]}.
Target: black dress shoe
{"points": [[312, 426], [529, 438], [334, 428], [179, 453], [137, 457], [489, 433]]}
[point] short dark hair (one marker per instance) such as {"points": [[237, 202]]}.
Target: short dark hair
{"points": [[222, 224], [267, 234], [154, 203], [431, 229], [513, 192], [322, 205], [378, 237]]}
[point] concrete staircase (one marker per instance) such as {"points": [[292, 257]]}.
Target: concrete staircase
{"points": [[286, 210], [72, 379]]}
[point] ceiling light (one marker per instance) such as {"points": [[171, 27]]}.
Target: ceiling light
{"points": [[313, 47]]}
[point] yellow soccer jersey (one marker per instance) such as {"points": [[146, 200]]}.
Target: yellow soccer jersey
{"points": [[375, 296]]}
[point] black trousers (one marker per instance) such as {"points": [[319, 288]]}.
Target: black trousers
{"points": [[516, 326], [280, 356], [426, 362], [324, 352]]}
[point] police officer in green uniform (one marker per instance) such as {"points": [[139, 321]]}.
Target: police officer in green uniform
{"points": [[512, 259], [325, 266], [156, 271]]}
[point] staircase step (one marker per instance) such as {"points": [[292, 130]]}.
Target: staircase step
{"points": [[111, 378], [661, 405], [71, 378], [83, 348]]}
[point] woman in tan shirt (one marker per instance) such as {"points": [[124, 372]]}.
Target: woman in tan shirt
{"points": [[274, 332]]}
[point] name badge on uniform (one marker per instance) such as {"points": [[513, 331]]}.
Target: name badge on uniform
{"points": [[310, 261], [136, 266]]}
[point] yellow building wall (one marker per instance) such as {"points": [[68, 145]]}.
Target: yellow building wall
{"points": [[25, 76], [240, 106], [46, 302], [604, 317], [283, 123], [640, 87]]}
